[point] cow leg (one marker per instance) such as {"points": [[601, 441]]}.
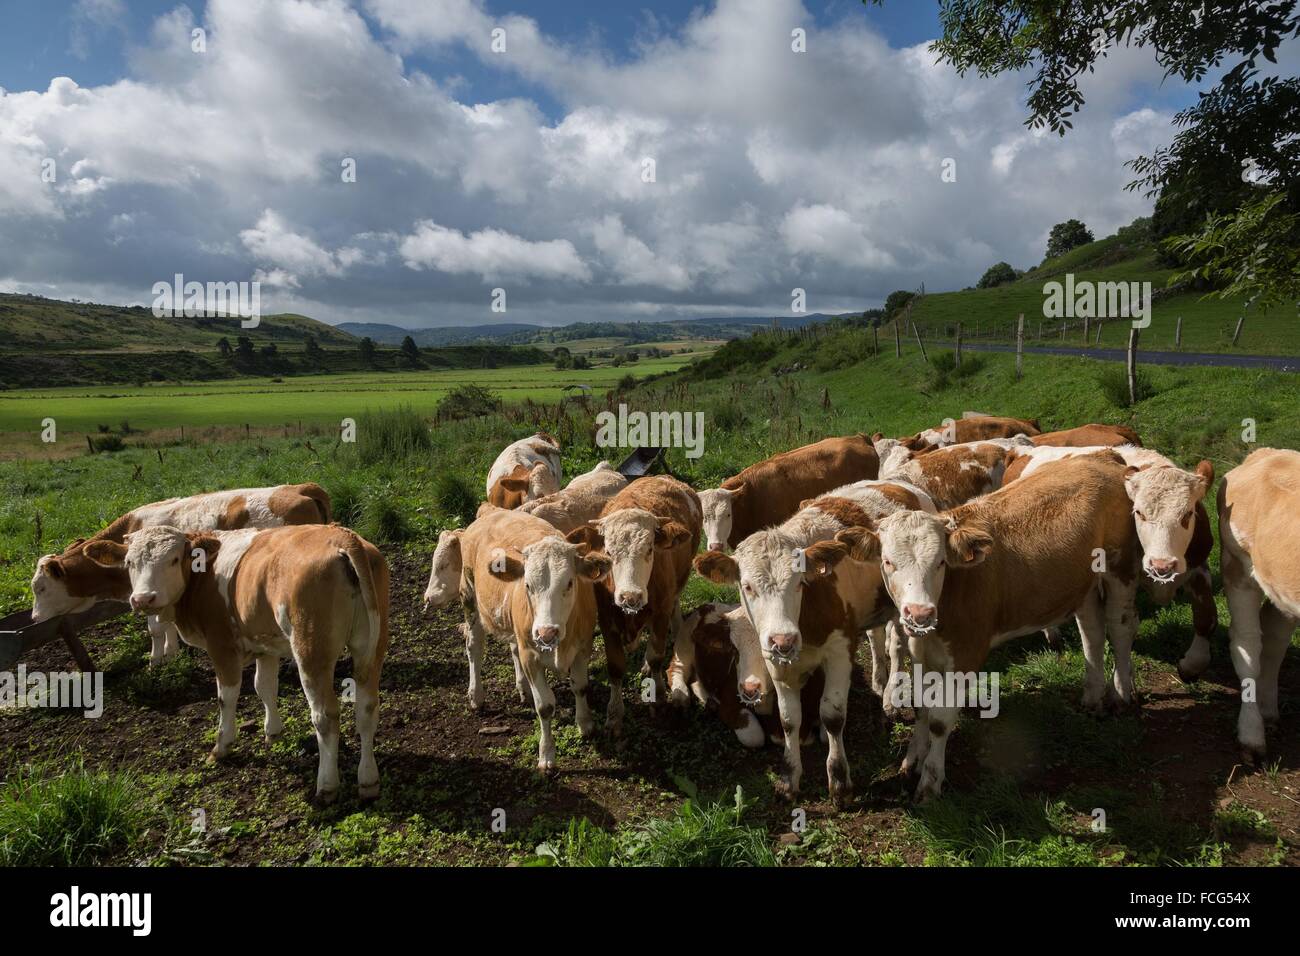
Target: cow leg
{"points": [[939, 722], [897, 670], [656, 652], [1205, 618], [475, 637], [918, 747], [616, 665], [578, 677], [521, 682], [157, 640], [681, 671], [1245, 642], [365, 670], [266, 680], [1276, 627], [171, 641], [790, 701], [229, 672], [879, 661], [318, 685], [544, 703], [838, 669], [1092, 629], [1122, 627]]}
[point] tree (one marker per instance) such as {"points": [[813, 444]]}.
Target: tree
{"points": [[410, 351], [1066, 236], [244, 349], [997, 274], [897, 301], [1242, 132], [367, 350], [223, 348], [311, 346]]}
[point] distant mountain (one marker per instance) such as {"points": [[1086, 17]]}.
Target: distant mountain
{"points": [[385, 334]]}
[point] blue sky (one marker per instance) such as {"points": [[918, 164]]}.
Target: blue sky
{"points": [[770, 169]]}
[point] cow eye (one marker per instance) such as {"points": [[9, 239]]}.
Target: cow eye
{"points": [[889, 565], [569, 586], [1140, 516], [176, 560]]}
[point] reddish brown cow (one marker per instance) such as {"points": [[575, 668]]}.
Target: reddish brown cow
{"points": [[1089, 435], [962, 430]]}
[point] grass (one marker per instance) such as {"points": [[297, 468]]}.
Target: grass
{"points": [[66, 815]]}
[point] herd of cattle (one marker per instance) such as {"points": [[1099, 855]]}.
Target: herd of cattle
{"points": [[938, 547]]}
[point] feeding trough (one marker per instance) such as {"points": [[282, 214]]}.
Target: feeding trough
{"points": [[18, 634], [639, 463]]}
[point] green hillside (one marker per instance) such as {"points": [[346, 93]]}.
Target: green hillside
{"points": [[989, 315], [30, 323]]}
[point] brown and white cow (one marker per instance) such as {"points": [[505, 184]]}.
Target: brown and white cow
{"points": [[523, 583], [808, 614], [977, 428], [1021, 559], [650, 530], [717, 655], [527, 469], [1259, 531], [1172, 525], [580, 501], [951, 475], [70, 582], [1090, 435], [307, 592], [769, 491]]}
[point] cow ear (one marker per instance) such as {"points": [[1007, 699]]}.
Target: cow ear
{"points": [[506, 565], [207, 544], [1205, 470], [670, 533], [594, 565], [586, 534], [876, 436], [718, 567], [108, 554], [967, 547], [821, 557], [863, 543], [739, 491], [513, 484], [52, 565]]}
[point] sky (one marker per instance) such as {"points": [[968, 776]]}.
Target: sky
{"points": [[615, 161]]}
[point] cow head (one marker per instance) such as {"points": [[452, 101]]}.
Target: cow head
{"points": [[771, 573], [893, 454], [916, 550], [1164, 510], [158, 561], [551, 571], [52, 585], [630, 536], [535, 482], [444, 576], [718, 506], [753, 682]]}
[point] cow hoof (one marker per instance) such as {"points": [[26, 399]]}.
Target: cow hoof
{"points": [[891, 712], [925, 793], [1252, 756], [587, 729], [1097, 708], [842, 797], [1187, 675], [272, 738], [785, 790], [679, 697], [368, 791], [525, 694], [908, 769], [216, 756], [546, 767], [326, 797]]}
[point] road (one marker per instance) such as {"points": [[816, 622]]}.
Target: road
{"points": [[1275, 363]]}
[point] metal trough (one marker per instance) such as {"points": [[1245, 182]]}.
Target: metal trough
{"points": [[639, 463], [18, 634]]}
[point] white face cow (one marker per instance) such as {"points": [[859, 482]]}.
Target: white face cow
{"points": [[1164, 510], [771, 573], [630, 536], [915, 550], [50, 594], [444, 576], [893, 454], [156, 559], [717, 506], [753, 682], [550, 570]]}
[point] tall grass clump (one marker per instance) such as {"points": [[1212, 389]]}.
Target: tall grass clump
{"points": [[1114, 385], [68, 816], [454, 496], [392, 435], [383, 517]]}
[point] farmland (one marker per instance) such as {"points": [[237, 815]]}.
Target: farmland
{"points": [[1022, 788]]}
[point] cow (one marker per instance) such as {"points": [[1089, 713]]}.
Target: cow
{"points": [[1090, 435], [650, 530], [1023, 558], [580, 501], [1172, 525], [523, 583], [962, 430], [951, 475], [70, 582], [527, 469], [1259, 533], [307, 592], [716, 654], [808, 615], [769, 491]]}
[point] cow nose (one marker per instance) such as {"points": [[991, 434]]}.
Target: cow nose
{"points": [[922, 615], [1163, 565], [717, 546], [547, 634], [785, 644], [751, 690], [142, 600], [631, 600]]}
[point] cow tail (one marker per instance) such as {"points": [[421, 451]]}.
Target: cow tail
{"points": [[355, 555]]}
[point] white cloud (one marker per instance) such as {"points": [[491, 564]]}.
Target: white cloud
{"points": [[491, 254]]}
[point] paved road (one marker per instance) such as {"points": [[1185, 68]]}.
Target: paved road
{"points": [[1276, 363]]}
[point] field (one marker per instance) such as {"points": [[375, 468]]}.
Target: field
{"points": [[1022, 789]]}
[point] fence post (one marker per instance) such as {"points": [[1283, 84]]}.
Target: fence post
{"points": [[1237, 334], [1100, 322], [898, 340], [958, 354], [1132, 364], [875, 340], [917, 330], [1020, 344], [1178, 333], [1085, 331]]}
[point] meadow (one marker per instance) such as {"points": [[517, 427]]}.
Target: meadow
{"points": [[677, 789]]}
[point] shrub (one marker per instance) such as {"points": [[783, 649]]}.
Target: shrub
{"points": [[997, 274], [108, 443], [454, 496], [392, 435], [67, 817], [467, 401], [727, 415]]}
